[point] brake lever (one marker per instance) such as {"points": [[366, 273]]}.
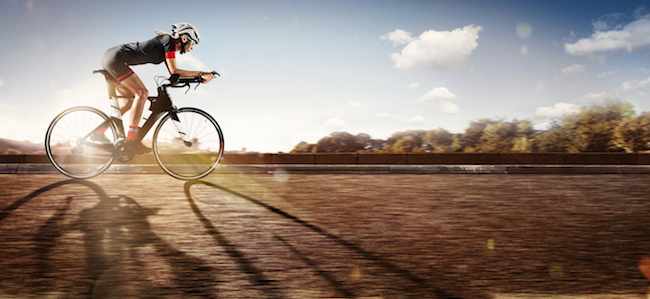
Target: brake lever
{"points": [[200, 81]]}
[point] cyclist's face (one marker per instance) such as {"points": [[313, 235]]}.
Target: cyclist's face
{"points": [[189, 45]]}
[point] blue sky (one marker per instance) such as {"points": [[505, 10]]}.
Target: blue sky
{"points": [[298, 70]]}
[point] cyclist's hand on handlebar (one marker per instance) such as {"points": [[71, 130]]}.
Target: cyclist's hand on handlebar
{"points": [[207, 77]]}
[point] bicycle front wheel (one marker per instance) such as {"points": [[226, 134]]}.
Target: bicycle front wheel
{"points": [[73, 145], [195, 156]]}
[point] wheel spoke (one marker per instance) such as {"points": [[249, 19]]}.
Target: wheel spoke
{"points": [[180, 160], [70, 155]]}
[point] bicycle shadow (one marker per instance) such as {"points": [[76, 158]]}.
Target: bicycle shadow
{"points": [[92, 250], [414, 283]]}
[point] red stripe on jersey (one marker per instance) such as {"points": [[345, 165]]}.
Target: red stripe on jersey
{"points": [[170, 54], [124, 76]]}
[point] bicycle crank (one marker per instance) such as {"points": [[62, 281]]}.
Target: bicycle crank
{"points": [[122, 152]]}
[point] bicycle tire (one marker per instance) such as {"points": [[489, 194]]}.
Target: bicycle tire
{"points": [[68, 146], [188, 162]]}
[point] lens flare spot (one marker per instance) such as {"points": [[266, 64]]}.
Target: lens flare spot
{"points": [[490, 244], [280, 175], [644, 267], [524, 31], [556, 271], [355, 273]]}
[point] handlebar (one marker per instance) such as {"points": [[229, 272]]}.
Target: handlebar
{"points": [[176, 81]]}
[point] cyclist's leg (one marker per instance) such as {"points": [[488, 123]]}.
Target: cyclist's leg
{"points": [[140, 95], [125, 103]]}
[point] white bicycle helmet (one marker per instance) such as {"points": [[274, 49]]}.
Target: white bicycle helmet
{"points": [[187, 29]]}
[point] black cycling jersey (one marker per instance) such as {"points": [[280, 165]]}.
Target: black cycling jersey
{"points": [[153, 51], [118, 59]]}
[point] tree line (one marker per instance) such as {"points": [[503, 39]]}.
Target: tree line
{"points": [[609, 127]]}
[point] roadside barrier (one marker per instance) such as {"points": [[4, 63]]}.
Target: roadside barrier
{"points": [[403, 159]]}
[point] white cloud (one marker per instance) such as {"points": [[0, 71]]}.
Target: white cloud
{"points": [[417, 120], [554, 111], [625, 87], [383, 115], [398, 37], [438, 94], [641, 13], [634, 85], [411, 86], [335, 124], [630, 36], [574, 69], [189, 62], [450, 108], [437, 50], [594, 97], [354, 104], [605, 74], [606, 22], [474, 72], [444, 96]]}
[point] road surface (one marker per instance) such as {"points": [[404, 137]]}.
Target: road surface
{"points": [[324, 236]]}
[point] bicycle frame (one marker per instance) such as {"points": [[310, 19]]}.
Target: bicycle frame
{"points": [[160, 105]]}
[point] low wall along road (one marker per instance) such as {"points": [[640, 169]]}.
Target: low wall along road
{"points": [[403, 159]]}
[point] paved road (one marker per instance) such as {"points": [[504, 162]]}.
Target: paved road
{"points": [[324, 236]]}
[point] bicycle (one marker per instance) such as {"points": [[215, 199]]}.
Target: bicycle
{"points": [[187, 143]]}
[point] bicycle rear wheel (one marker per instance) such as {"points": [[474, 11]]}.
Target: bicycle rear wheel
{"points": [[188, 160], [71, 146]]}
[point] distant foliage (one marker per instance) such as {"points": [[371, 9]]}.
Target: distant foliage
{"points": [[610, 127]]}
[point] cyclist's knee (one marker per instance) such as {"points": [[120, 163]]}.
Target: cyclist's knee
{"points": [[142, 93]]}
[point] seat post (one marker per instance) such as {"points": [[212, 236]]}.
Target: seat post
{"points": [[110, 82]]}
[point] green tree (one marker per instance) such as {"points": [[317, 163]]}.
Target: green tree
{"points": [[438, 140], [496, 137], [633, 133], [593, 127], [338, 142], [556, 139], [502, 136], [608, 127], [524, 141], [472, 136], [405, 142], [303, 147]]}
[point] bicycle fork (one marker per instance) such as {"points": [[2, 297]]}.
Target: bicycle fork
{"points": [[180, 127]]}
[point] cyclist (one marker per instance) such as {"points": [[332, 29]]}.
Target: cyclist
{"points": [[161, 48]]}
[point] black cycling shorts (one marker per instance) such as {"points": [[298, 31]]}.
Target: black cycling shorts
{"points": [[113, 61]]}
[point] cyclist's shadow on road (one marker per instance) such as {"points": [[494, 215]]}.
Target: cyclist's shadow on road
{"points": [[114, 234], [413, 283]]}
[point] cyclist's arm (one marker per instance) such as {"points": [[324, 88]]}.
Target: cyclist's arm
{"points": [[173, 69]]}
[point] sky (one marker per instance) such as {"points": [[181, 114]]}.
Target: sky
{"points": [[295, 71]]}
